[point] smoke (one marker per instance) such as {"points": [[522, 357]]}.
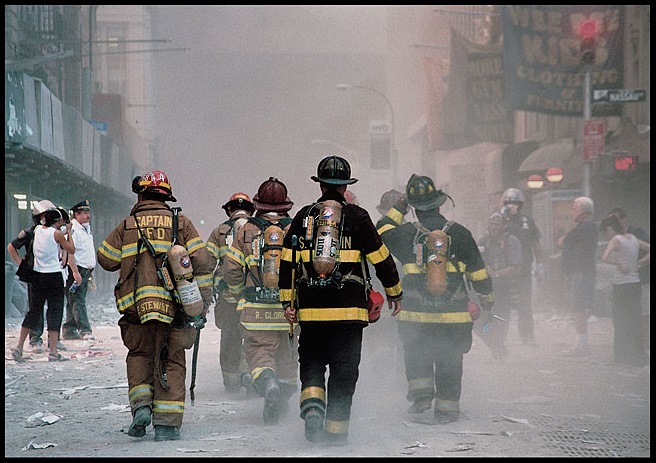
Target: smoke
{"points": [[255, 86]]}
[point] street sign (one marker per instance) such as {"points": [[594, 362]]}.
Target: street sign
{"points": [[618, 95], [594, 141], [100, 126]]}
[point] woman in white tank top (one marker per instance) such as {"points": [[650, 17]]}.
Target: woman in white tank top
{"points": [[48, 284], [622, 252]]}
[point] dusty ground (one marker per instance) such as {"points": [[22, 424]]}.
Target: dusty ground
{"points": [[533, 403]]}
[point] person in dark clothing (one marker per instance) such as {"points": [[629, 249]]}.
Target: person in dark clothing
{"points": [[329, 299], [579, 251], [436, 329]]}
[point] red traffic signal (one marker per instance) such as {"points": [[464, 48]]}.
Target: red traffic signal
{"points": [[626, 162], [588, 29], [588, 33]]}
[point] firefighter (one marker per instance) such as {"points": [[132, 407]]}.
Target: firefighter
{"points": [[330, 307], [251, 273], [231, 358], [435, 330], [154, 328]]}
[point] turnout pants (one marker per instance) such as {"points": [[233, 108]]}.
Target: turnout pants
{"points": [[144, 343]]}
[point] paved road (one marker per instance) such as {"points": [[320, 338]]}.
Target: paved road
{"points": [[533, 403]]}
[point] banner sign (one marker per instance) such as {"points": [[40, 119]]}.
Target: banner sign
{"points": [[475, 99], [542, 57]]}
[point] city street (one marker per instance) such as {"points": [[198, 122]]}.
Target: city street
{"points": [[535, 402]]}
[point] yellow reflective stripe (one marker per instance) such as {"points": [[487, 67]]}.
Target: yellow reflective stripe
{"points": [[434, 317], [394, 214], [378, 255], [333, 314], [256, 372], [412, 268], [236, 255], [168, 406], [478, 275], [394, 290], [214, 250], [265, 326], [155, 316], [313, 392], [285, 295], [385, 228], [305, 255], [349, 255], [194, 245], [447, 405], [110, 252], [420, 383], [205, 280], [258, 305], [140, 390], [337, 427], [251, 261], [236, 290], [286, 255], [130, 250]]}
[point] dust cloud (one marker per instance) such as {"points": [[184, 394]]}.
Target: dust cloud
{"points": [[255, 95]]}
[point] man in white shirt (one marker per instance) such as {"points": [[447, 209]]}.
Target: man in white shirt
{"points": [[77, 324]]}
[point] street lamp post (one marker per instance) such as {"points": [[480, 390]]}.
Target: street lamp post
{"points": [[390, 108]]}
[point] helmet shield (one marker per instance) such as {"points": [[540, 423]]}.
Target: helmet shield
{"points": [[272, 197], [239, 200], [335, 171], [155, 182], [422, 195]]}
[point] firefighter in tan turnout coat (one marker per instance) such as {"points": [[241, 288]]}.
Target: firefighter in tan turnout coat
{"points": [[153, 325]]}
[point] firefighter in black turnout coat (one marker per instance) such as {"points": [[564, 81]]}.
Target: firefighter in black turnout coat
{"points": [[330, 303], [435, 326]]}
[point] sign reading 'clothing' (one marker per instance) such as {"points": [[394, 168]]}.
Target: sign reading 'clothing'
{"points": [[542, 57]]}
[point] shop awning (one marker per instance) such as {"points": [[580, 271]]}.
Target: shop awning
{"points": [[554, 155]]}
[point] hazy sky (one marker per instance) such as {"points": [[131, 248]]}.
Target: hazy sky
{"points": [[256, 85]]}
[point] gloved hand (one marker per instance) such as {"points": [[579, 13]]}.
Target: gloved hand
{"points": [[197, 322], [539, 272], [487, 324]]}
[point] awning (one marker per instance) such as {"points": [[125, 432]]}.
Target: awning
{"points": [[554, 155]]}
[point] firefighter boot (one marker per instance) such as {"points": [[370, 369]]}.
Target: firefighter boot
{"points": [[163, 433], [446, 417], [314, 431], [140, 420], [271, 411], [420, 406]]}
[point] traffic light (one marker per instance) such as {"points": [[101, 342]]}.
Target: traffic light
{"points": [[619, 165], [588, 33]]}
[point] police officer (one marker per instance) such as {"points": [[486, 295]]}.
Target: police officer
{"points": [[77, 324], [226, 317], [251, 272], [524, 228], [436, 330], [331, 307], [154, 328]]}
